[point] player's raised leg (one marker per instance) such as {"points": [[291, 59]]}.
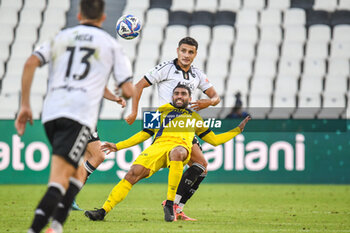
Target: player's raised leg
{"points": [[190, 181], [176, 156], [119, 192]]}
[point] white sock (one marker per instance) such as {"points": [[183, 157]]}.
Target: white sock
{"points": [[56, 226], [177, 199]]}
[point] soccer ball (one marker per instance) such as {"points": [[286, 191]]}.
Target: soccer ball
{"points": [[128, 27]]}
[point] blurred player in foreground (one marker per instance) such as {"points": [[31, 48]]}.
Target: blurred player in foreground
{"points": [[167, 75], [171, 148], [80, 59]]}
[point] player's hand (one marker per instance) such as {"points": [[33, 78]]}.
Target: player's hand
{"points": [[24, 115], [109, 147], [121, 101], [244, 122], [131, 118], [200, 104]]}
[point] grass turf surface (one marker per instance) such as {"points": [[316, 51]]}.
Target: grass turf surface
{"points": [[218, 208]]}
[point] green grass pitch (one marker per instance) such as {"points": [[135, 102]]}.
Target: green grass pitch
{"points": [[218, 208]]}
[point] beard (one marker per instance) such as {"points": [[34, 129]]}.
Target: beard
{"points": [[183, 104]]}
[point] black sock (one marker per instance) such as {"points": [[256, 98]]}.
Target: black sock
{"points": [[46, 206], [193, 189], [89, 168], [65, 205], [188, 180]]}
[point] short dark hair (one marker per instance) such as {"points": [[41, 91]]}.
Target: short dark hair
{"points": [[183, 86], [92, 9], [190, 41]]}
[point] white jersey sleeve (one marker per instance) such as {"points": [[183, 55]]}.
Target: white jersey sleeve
{"points": [[43, 52], [122, 70], [158, 73], [204, 83]]}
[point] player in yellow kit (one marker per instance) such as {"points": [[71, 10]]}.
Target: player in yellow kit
{"points": [[171, 148]]}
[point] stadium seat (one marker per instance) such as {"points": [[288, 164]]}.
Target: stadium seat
{"points": [[175, 33], [247, 34], [225, 18], [140, 4], [2, 71], [163, 4], [340, 17], [14, 4], [148, 49], [9, 109], [294, 17], [308, 106], [270, 17], [7, 35], [261, 85], [247, 17], [59, 5], [31, 16], [199, 62], [149, 31], [237, 84], [325, 5], [259, 106], [142, 66], [311, 84], [316, 50], [206, 5], [201, 33], [341, 33], [243, 50], [157, 17], [39, 4], [295, 34], [182, 5], [317, 17], [241, 68], [4, 55], [169, 50], [340, 49], [292, 50], [286, 85], [36, 103], [338, 67], [55, 17], [289, 68], [223, 33], [129, 48], [8, 17], [220, 49], [217, 70], [179, 18], [202, 18], [271, 34], [27, 33], [283, 106], [229, 5], [344, 5], [314, 67], [254, 4], [336, 84], [268, 50], [304, 4], [319, 33], [21, 50], [278, 4], [265, 68], [333, 105]]}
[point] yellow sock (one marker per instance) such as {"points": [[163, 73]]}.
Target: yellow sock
{"points": [[117, 194], [175, 174]]}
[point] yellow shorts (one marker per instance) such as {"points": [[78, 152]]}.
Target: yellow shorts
{"points": [[156, 156]]}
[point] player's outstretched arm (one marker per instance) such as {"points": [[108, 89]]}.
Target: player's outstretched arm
{"points": [[135, 100], [110, 96], [137, 138], [219, 139], [25, 112], [213, 100]]}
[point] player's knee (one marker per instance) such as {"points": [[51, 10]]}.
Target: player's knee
{"points": [[198, 157], [100, 157], [178, 154]]}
